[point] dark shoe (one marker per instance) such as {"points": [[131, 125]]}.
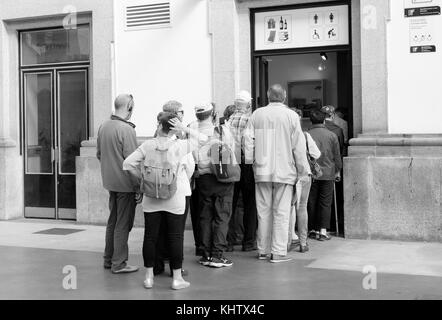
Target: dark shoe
{"points": [[279, 259], [313, 235], [293, 246], [126, 269], [205, 261], [199, 252], [323, 237], [263, 256], [220, 263], [107, 266], [304, 249], [230, 248]]}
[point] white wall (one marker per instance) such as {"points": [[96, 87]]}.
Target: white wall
{"points": [[414, 84], [284, 69], [158, 65]]}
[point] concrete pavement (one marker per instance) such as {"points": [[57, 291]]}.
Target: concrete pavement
{"points": [[32, 268]]}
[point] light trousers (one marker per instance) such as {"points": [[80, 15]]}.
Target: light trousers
{"points": [[273, 202], [299, 212]]}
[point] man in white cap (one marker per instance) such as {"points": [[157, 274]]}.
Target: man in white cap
{"points": [[214, 197], [238, 123]]}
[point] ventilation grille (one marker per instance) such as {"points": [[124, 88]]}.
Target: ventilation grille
{"points": [[148, 16]]}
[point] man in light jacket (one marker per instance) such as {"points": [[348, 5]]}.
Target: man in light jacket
{"points": [[275, 144]]}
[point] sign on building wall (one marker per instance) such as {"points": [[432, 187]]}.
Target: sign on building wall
{"points": [[302, 28], [423, 16]]}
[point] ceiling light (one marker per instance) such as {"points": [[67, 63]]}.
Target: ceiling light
{"points": [[324, 56]]}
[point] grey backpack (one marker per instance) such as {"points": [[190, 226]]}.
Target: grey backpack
{"points": [[159, 172]]}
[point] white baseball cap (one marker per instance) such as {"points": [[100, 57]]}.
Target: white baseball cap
{"points": [[204, 107], [244, 96]]}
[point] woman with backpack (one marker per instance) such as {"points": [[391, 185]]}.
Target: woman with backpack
{"points": [[164, 166]]}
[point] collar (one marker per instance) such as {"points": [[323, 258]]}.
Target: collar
{"points": [[272, 104], [315, 126], [114, 117]]}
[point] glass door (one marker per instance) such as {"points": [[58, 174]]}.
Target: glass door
{"points": [[55, 123], [38, 91], [72, 111]]}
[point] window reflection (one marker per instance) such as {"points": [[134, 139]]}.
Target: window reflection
{"points": [[55, 46]]}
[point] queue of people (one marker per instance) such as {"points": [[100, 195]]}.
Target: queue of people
{"points": [[284, 175]]}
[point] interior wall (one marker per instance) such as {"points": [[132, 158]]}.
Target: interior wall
{"points": [[301, 67], [158, 65]]}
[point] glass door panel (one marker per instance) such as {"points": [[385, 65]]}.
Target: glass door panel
{"points": [[38, 133], [72, 100]]}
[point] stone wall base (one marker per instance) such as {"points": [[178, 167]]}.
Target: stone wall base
{"points": [[393, 188], [92, 198], [11, 181]]}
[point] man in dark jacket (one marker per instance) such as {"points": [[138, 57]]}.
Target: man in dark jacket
{"points": [[321, 194], [116, 141], [333, 127]]}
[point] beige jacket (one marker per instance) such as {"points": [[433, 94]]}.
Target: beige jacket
{"points": [[275, 144]]}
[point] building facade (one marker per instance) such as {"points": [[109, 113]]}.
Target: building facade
{"points": [[380, 71]]}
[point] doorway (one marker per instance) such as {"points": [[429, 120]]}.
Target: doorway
{"points": [[55, 104]]}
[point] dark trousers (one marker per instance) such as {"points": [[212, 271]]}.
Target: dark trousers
{"points": [[175, 236], [195, 216], [121, 220], [250, 217], [319, 205], [162, 248], [215, 200]]}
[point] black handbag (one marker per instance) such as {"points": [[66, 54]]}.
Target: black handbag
{"points": [[314, 165], [222, 161]]}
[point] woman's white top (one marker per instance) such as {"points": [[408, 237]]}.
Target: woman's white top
{"points": [[176, 204]]}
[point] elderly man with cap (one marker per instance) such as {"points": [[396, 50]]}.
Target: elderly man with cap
{"points": [[333, 127], [238, 123], [215, 198]]}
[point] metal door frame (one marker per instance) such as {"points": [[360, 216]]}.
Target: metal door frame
{"points": [[55, 71]]}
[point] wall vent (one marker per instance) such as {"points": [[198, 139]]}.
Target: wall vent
{"points": [[148, 16]]}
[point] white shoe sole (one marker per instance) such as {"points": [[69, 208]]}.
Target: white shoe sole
{"points": [[281, 261]]}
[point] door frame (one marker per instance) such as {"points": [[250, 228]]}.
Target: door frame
{"points": [[54, 71], [255, 54]]}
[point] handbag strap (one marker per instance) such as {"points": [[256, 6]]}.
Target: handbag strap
{"points": [[306, 143]]}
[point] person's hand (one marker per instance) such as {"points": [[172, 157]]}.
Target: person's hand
{"points": [[338, 177], [138, 198], [177, 125]]}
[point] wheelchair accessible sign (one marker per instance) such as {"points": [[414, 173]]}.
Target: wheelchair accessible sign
{"points": [[423, 16]]}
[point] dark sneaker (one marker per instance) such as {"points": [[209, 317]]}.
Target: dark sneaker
{"points": [[279, 259], [205, 261], [263, 256], [304, 249], [126, 269], [107, 266], [220, 263], [313, 235]]}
